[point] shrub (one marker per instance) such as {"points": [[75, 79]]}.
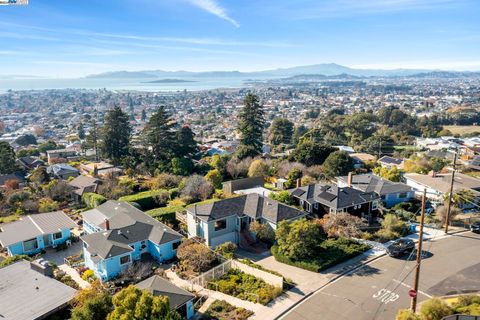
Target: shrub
{"points": [[283, 197], [162, 198], [47, 205], [406, 314], [384, 235], [166, 214], [393, 223], [342, 225], [435, 309], [195, 255], [10, 260], [263, 231], [226, 249], [93, 200], [222, 310], [88, 276], [164, 181], [245, 286]]}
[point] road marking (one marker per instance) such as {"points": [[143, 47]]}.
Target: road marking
{"points": [[385, 296], [410, 287]]}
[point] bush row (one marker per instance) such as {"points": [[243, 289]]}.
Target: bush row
{"points": [[151, 199]]}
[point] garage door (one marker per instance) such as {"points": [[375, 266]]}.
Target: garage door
{"points": [[222, 239]]}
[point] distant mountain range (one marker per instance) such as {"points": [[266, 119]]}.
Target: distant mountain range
{"points": [[326, 69]]}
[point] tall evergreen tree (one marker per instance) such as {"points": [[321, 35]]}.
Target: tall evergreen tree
{"points": [[159, 136], [281, 132], [7, 158], [116, 135], [251, 123], [186, 143], [144, 115], [81, 131]]}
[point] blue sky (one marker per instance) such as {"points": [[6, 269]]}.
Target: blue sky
{"points": [[70, 38]]}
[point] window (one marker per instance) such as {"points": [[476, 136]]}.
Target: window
{"points": [[57, 236], [124, 259], [316, 205], [402, 195], [220, 225], [175, 245], [30, 245]]}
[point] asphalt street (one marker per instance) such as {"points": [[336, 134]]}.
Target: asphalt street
{"points": [[379, 289]]}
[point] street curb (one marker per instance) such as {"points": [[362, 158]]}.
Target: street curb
{"points": [[330, 281]]}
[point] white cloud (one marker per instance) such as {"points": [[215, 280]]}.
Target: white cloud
{"points": [[213, 7]]}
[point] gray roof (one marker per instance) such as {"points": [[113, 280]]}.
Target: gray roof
{"points": [[441, 181], [28, 227], [60, 169], [26, 294], [372, 183], [252, 205], [333, 196], [161, 287], [81, 182], [127, 225]]}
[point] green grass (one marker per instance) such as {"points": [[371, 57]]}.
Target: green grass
{"points": [[145, 199]]}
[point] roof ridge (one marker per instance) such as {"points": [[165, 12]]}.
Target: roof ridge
{"points": [[35, 224]]}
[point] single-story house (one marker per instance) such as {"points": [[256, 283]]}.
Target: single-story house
{"points": [[119, 234], [438, 184], [230, 187], [29, 163], [62, 171], [33, 233], [83, 184], [224, 220], [180, 300], [17, 176], [320, 199], [390, 162], [390, 192], [27, 294]]}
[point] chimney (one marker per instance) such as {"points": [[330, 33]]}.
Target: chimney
{"points": [[349, 179], [107, 224], [299, 183]]}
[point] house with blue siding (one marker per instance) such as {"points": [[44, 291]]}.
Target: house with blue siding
{"points": [[118, 234], [33, 233], [391, 193], [227, 220]]}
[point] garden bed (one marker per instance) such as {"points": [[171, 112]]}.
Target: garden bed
{"points": [[222, 310], [244, 286], [331, 252]]}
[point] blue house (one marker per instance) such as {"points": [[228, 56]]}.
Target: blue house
{"points": [[229, 219], [33, 233], [119, 234], [391, 193]]}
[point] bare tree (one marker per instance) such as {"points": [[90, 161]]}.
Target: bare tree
{"points": [[342, 224]]}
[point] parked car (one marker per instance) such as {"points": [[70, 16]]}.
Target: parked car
{"points": [[399, 247], [475, 227]]}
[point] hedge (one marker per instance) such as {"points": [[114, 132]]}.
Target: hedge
{"points": [[93, 200], [331, 252], [165, 214], [145, 199]]}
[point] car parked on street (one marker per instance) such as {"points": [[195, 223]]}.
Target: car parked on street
{"points": [[475, 227], [400, 247]]}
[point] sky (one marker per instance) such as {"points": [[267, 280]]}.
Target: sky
{"points": [[74, 38]]}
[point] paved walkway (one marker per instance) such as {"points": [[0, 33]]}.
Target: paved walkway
{"points": [[75, 276]]}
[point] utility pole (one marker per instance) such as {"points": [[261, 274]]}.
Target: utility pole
{"points": [[449, 207], [413, 304]]}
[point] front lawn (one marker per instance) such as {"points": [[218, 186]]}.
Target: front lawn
{"points": [[245, 286], [222, 310], [330, 252]]}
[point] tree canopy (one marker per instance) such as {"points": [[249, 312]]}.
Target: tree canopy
{"points": [[251, 122], [7, 158], [116, 135]]}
